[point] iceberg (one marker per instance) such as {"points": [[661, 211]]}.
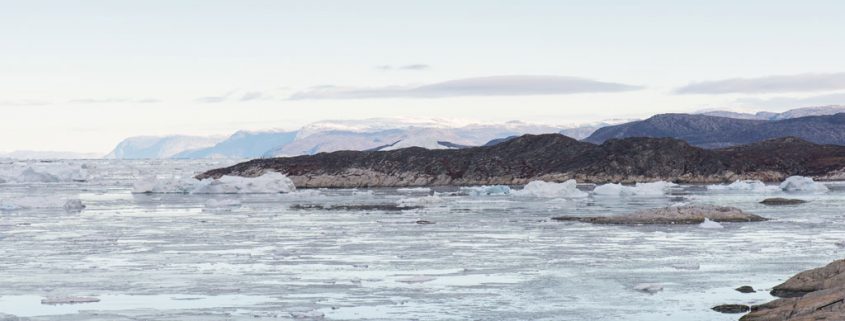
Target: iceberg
{"points": [[753, 186], [44, 173], [486, 190], [639, 189], [708, 224], [567, 189], [802, 184], [269, 183]]}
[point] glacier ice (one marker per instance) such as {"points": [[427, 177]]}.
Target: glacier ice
{"points": [[708, 224], [567, 189], [802, 184], [639, 189]]}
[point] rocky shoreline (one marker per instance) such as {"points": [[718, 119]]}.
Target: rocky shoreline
{"points": [[553, 158], [817, 294]]}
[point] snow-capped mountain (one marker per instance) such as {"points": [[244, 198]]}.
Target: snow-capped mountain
{"points": [[141, 147], [243, 144], [789, 114]]}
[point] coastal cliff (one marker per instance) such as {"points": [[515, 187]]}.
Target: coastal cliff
{"points": [[553, 157]]}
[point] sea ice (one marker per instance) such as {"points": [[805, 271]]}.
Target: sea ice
{"points": [[753, 186], [269, 183], [566, 189], [213, 203], [414, 190], [802, 184], [639, 189], [19, 203], [708, 224], [419, 201], [44, 173], [486, 190], [416, 279]]}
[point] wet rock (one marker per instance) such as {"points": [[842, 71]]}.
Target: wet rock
{"points": [[424, 222], [672, 215], [650, 288], [745, 289], [817, 294], [69, 300], [355, 207], [782, 201], [732, 308]]}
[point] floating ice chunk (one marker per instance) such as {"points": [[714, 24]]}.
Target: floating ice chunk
{"points": [[566, 189], [368, 192], [650, 288], [419, 201], [69, 300], [73, 205], [213, 203], [802, 184], [486, 190], [269, 183], [414, 190], [20, 203], [310, 315], [753, 186], [708, 224], [639, 189], [417, 279]]}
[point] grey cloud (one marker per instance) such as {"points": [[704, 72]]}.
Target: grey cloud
{"points": [[793, 102], [770, 84], [515, 85]]}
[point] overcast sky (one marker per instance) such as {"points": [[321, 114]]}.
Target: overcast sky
{"points": [[82, 75]]}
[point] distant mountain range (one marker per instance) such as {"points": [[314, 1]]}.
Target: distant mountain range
{"points": [[34, 154], [329, 136], [789, 114], [552, 157], [716, 132]]}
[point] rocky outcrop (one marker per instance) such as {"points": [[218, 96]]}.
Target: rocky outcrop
{"points": [[731, 308], [776, 201], [671, 215], [717, 132], [817, 294], [552, 157]]}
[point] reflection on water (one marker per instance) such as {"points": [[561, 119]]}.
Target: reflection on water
{"points": [[499, 257]]}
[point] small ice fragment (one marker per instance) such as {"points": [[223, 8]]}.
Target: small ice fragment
{"points": [[566, 189], [414, 190], [802, 184], [69, 300], [753, 186], [486, 190], [311, 315], [640, 189], [416, 279], [650, 288], [73, 205], [708, 224]]}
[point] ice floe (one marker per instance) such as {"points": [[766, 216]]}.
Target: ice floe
{"points": [[708, 224], [639, 189], [753, 186], [486, 190], [567, 189], [802, 184], [269, 183], [21, 203]]}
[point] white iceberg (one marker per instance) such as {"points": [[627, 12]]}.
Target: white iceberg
{"points": [[802, 184], [753, 186], [708, 224], [44, 173], [269, 183], [567, 189], [639, 189], [486, 190]]}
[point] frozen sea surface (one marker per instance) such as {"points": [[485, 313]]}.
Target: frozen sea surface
{"points": [[485, 257]]}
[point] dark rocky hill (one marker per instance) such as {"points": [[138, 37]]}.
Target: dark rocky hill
{"points": [[717, 132], [552, 157]]}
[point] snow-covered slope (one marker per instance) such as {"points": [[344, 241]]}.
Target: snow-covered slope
{"points": [[789, 114], [243, 144], [141, 147]]}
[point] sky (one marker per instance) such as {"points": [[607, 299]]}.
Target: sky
{"points": [[83, 75]]}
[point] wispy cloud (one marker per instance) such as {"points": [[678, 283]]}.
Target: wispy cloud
{"points": [[403, 67], [794, 102], [251, 95], [770, 84], [517, 85]]}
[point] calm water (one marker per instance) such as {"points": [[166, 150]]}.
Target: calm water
{"points": [[252, 257]]}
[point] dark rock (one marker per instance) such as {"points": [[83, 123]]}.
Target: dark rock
{"points": [[782, 201], [671, 215], [424, 222], [355, 207], [745, 289], [551, 157], [732, 308], [817, 294]]}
